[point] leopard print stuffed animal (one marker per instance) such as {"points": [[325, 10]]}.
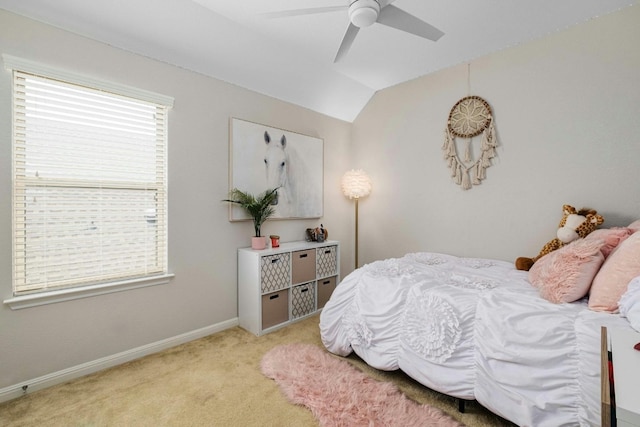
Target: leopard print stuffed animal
{"points": [[574, 225]]}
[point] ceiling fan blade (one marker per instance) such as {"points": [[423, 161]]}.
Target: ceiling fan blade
{"points": [[299, 12], [347, 41], [396, 18]]}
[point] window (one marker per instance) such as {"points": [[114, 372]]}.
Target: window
{"points": [[89, 181]]}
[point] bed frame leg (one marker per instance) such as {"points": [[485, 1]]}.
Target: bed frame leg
{"points": [[461, 403]]}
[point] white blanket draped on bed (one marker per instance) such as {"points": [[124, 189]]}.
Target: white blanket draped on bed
{"points": [[474, 329]]}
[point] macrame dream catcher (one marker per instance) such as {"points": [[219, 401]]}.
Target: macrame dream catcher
{"points": [[469, 117]]}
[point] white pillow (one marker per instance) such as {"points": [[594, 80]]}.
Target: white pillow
{"points": [[630, 303]]}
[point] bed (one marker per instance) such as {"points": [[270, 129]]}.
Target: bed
{"points": [[477, 329]]}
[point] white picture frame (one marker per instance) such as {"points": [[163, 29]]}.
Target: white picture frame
{"points": [[264, 157]]}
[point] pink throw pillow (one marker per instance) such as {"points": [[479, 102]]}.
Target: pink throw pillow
{"points": [[565, 275], [635, 225], [615, 274], [612, 237]]}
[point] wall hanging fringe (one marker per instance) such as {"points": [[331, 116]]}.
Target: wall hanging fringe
{"points": [[469, 117]]}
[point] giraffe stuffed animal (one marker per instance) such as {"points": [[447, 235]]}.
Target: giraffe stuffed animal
{"points": [[574, 225]]}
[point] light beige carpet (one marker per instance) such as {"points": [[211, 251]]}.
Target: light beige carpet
{"points": [[213, 381]]}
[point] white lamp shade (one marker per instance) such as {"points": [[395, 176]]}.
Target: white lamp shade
{"points": [[356, 184]]}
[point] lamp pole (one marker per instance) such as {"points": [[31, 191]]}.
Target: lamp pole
{"points": [[357, 198]]}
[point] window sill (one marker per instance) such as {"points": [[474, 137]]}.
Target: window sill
{"points": [[52, 297]]}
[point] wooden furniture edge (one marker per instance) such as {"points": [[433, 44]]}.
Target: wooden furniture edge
{"points": [[605, 397]]}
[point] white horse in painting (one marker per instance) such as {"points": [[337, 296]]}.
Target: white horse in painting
{"points": [[286, 170]]}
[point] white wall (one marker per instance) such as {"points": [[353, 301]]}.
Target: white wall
{"points": [[202, 242], [567, 114]]}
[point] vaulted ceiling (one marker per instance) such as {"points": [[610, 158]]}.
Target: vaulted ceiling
{"points": [[292, 57]]}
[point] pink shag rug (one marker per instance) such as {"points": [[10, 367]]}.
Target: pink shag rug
{"points": [[338, 394]]}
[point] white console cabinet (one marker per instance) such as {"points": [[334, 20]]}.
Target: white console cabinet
{"points": [[278, 286]]}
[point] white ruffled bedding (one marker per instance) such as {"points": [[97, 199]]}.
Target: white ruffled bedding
{"points": [[474, 329]]}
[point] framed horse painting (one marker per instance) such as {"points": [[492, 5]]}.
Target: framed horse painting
{"points": [[264, 157]]}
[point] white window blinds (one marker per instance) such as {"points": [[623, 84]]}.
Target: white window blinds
{"points": [[89, 187]]}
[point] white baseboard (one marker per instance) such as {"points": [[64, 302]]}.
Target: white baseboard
{"points": [[17, 390]]}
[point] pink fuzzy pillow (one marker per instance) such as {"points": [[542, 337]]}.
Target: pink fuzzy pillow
{"points": [[615, 274], [565, 275], [612, 237]]}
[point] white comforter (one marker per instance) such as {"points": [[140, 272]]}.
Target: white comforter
{"points": [[473, 329]]}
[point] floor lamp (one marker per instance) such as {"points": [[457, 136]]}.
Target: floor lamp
{"points": [[356, 184]]}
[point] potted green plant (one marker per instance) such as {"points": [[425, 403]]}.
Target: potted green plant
{"points": [[260, 208]]}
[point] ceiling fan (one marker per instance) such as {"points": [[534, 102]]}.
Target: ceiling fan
{"points": [[363, 13]]}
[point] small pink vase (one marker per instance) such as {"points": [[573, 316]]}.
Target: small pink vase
{"points": [[258, 243]]}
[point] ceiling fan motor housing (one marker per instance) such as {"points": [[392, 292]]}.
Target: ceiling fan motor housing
{"points": [[363, 13]]}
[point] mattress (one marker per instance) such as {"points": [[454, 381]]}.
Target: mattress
{"points": [[472, 328]]}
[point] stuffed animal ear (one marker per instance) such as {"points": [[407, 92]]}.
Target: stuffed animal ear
{"points": [[595, 219]]}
